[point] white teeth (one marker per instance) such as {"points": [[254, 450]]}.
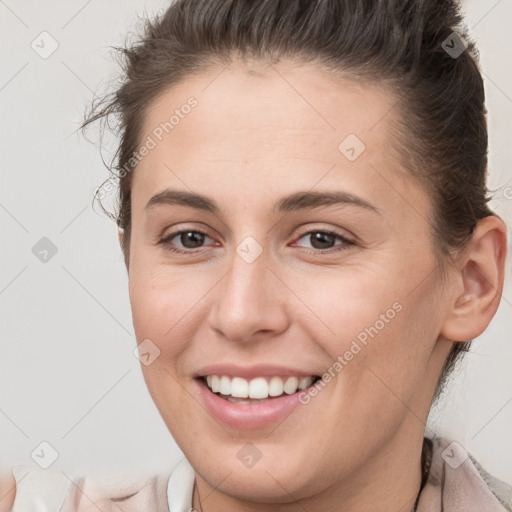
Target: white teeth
{"points": [[257, 388], [275, 387], [239, 387], [225, 385], [304, 382], [291, 384], [215, 383]]}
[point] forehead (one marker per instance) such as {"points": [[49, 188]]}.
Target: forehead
{"points": [[257, 102], [255, 126]]}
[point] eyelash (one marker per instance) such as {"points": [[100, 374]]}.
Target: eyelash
{"points": [[344, 246]]}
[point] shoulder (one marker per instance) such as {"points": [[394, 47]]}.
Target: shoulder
{"points": [[499, 488], [48, 489], [457, 482]]}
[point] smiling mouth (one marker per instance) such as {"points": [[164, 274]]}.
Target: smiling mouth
{"points": [[258, 390]]}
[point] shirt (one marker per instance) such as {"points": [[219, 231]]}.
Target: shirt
{"points": [[453, 482]]}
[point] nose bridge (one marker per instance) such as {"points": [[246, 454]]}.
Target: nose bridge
{"points": [[247, 300]]}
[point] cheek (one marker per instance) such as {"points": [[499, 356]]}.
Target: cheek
{"points": [[163, 312], [161, 298], [382, 342], [345, 306], [168, 306], [371, 326]]}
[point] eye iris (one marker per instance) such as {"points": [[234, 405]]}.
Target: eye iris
{"points": [[319, 239], [325, 240], [196, 237]]}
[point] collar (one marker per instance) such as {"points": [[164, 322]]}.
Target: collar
{"points": [[452, 482]]}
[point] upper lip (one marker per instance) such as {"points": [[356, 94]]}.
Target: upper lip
{"points": [[251, 372]]}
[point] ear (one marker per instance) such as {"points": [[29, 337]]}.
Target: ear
{"points": [[120, 235], [480, 275]]}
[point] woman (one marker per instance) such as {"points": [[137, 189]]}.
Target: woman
{"points": [[304, 220]]}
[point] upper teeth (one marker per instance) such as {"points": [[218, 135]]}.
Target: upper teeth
{"points": [[258, 387]]}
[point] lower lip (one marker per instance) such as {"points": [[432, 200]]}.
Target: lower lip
{"points": [[247, 416]]}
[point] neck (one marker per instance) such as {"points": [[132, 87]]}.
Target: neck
{"points": [[389, 482]]}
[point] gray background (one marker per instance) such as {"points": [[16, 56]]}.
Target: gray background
{"points": [[68, 375]]}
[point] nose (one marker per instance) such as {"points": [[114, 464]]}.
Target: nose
{"points": [[250, 302]]}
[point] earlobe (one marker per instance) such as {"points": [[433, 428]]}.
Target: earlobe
{"points": [[481, 274]]}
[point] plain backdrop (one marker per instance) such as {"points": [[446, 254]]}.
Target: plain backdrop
{"points": [[68, 375]]}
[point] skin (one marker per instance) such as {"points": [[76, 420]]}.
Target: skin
{"points": [[251, 140], [260, 133]]}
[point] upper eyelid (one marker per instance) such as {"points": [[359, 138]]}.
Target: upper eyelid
{"points": [[173, 234], [166, 233], [345, 239], [333, 231], [336, 230]]}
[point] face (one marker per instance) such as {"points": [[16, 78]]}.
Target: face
{"points": [[269, 247]]}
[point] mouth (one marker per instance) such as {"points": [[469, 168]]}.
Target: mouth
{"points": [[257, 396], [240, 390]]}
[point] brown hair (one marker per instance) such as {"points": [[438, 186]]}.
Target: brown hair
{"points": [[402, 44]]}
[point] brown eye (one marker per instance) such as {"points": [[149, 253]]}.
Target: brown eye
{"points": [[323, 241], [320, 240], [191, 239], [184, 241]]}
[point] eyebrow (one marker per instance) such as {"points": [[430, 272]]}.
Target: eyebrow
{"points": [[302, 200]]}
